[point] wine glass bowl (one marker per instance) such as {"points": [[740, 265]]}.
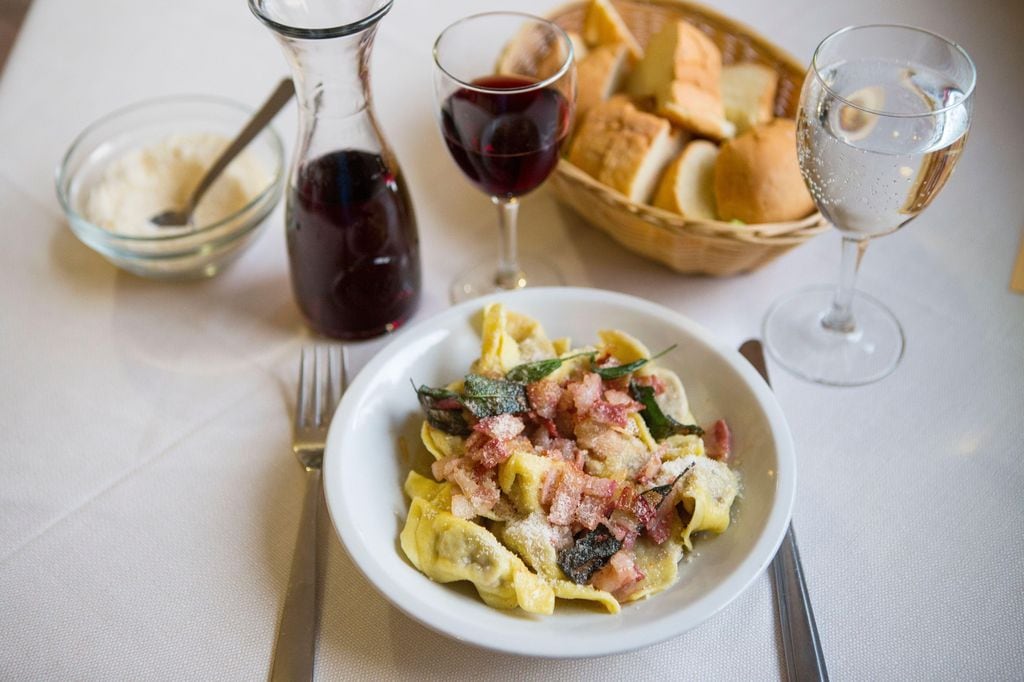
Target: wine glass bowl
{"points": [[504, 114], [883, 118]]}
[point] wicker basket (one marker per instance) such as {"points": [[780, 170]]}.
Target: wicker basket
{"points": [[688, 246]]}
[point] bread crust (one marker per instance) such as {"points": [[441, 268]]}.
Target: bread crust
{"points": [[624, 148], [748, 92], [678, 52], [598, 76], [757, 176], [604, 25], [688, 186], [681, 69], [695, 109]]}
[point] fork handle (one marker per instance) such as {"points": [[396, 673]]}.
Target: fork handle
{"points": [[296, 638], [800, 641]]}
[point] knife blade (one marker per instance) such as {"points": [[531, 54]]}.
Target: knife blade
{"points": [[801, 644]]}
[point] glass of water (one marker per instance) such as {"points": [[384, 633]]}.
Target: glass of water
{"points": [[883, 118]]}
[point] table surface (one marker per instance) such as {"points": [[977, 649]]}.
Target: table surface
{"points": [[148, 499]]}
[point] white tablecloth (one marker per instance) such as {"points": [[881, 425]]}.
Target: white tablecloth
{"points": [[148, 498]]}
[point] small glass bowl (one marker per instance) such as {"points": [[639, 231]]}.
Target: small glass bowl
{"points": [[201, 252]]}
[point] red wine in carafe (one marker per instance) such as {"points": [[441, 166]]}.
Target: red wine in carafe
{"points": [[352, 245]]}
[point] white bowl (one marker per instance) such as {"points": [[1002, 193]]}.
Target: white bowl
{"points": [[364, 470]]}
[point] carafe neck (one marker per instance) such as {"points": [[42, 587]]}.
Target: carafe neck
{"points": [[328, 46], [331, 75]]}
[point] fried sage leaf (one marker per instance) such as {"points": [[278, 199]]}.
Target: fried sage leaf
{"points": [[656, 495], [658, 423], [590, 552], [529, 372], [444, 410], [619, 371], [486, 397]]}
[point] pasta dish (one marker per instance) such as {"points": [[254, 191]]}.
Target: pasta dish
{"points": [[576, 473]]}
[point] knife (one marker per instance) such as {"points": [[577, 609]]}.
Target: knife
{"points": [[801, 645]]}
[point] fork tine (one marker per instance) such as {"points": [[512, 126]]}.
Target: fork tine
{"points": [[317, 388], [329, 387], [323, 378], [344, 373], [300, 394]]}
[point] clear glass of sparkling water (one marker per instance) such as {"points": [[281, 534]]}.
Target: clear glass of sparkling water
{"points": [[883, 118]]}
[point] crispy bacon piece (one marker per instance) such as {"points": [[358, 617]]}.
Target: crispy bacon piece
{"points": [[478, 484], [624, 500], [573, 497], [659, 527], [494, 452], [565, 450], [600, 487], [568, 491], [651, 380], [634, 513], [643, 510], [543, 397], [617, 397], [612, 415], [540, 437], [598, 501], [494, 439], [585, 392], [623, 525], [592, 510], [500, 427], [614, 409], [619, 575], [548, 486], [720, 445], [650, 469]]}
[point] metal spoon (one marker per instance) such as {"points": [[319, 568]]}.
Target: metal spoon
{"points": [[801, 644], [180, 218]]}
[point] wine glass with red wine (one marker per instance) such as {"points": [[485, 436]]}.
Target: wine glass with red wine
{"points": [[506, 87]]}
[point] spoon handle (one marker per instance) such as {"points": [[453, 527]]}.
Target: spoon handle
{"points": [[801, 644], [284, 92]]}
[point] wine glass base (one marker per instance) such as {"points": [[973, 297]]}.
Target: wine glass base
{"points": [[481, 280], [795, 337]]}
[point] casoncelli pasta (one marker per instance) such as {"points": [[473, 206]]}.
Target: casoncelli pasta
{"points": [[563, 473]]}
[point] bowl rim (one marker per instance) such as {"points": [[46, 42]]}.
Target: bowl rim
{"points": [[62, 176], [616, 640]]}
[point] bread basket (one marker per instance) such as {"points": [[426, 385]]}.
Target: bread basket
{"points": [[705, 247]]}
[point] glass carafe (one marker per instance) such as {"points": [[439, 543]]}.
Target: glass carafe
{"points": [[353, 247]]}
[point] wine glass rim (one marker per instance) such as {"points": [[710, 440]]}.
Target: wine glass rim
{"points": [[320, 32], [562, 70], [968, 91]]}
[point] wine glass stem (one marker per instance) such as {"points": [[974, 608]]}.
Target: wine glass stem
{"points": [[509, 275], [839, 317]]}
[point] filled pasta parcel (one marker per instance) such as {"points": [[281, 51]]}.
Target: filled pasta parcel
{"points": [[563, 472]]}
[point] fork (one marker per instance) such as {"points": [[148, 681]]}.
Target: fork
{"points": [[321, 384]]}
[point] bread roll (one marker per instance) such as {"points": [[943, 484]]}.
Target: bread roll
{"points": [[757, 177], [695, 109], [679, 51], [748, 92], [681, 69], [599, 76], [624, 148], [688, 185], [604, 25]]}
